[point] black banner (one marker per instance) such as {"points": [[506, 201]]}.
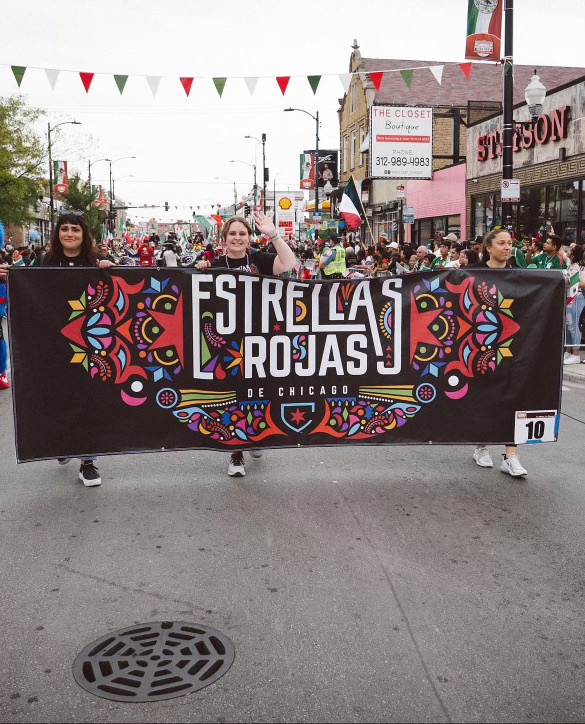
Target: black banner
{"points": [[137, 359]]}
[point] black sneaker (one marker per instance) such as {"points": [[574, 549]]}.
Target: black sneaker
{"points": [[63, 461], [236, 467], [89, 475]]}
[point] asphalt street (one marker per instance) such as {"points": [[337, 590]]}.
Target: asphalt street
{"points": [[387, 584]]}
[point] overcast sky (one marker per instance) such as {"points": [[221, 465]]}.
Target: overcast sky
{"points": [[183, 143]]}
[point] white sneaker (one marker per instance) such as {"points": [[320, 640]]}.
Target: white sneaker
{"points": [[255, 453], [513, 466], [572, 359], [567, 354], [482, 457], [236, 467]]}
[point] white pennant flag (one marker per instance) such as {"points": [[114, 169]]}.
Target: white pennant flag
{"points": [[251, 83], [153, 82], [437, 71], [52, 76], [345, 79]]}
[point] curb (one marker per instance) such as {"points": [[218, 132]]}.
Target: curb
{"points": [[576, 378]]}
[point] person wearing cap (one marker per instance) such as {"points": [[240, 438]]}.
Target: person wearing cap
{"points": [[333, 265]]}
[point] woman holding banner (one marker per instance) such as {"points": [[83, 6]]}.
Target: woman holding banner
{"points": [[236, 235], [496, 252], [72, 246]]}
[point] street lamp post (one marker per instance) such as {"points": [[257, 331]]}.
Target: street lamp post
{"points": [[508, 109], [263, 142], [316, 119], [252, 165], [89, 165], [49, 131], [222, 178], [111, 214]]}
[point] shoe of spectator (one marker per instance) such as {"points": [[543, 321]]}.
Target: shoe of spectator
{"points": [[513, 466], [482, 457], [567, 354], [572, 359], [255, 453], [89, 475], [4, 384], [63, 461], [236, 467]]}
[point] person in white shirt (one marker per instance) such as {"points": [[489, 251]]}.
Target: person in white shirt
{"points": [[170, 255]]}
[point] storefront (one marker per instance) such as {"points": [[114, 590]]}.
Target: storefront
{"points": [[439, 205], [549, 162]]}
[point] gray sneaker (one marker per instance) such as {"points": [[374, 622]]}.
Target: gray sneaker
{"points": [[482, 457], [255, 453], [512, 466], [236, 467]]}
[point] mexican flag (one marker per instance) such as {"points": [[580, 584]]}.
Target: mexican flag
{"points": [[351, 207], [573, 288], [484, 29]]}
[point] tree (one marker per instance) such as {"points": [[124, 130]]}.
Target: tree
{"points": [[81, 198], [22, 161]]}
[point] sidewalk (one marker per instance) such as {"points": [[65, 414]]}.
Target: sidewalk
{"points": [[574, 374]]}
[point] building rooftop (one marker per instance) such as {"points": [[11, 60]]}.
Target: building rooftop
{"points": [[484, 84]]}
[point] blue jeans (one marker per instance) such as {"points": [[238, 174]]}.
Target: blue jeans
{"points": [[573, 314]]}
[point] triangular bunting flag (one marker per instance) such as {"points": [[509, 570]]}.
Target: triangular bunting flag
{"points": [[186, 83], [251, 83], [86, 79], [153, 82], [437, 71], [345, 79], [377, 79], [283, 82], [407, 76], [466, 68], [19, 71], [219, 85], [121, 82], [314, 82], [52, 76]]}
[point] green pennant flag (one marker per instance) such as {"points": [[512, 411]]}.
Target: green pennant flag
{"points": [[314, 82], [121, 82], [407, 75], [19, 71], [219, 85]]}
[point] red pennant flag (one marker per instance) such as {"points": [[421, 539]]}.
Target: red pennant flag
{"points": [[377, 79], [86, 79], [466, 68], [283, 82], [187, 83]]}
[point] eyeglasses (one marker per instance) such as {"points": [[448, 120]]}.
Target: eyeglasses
{"points": [[69, 212]]}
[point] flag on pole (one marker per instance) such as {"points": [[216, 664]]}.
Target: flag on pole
{"points": [[351, 207], [573, 288], [484, 30]]}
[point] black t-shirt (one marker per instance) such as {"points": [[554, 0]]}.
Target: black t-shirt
{"points": [[47, 259], [260, 262]]}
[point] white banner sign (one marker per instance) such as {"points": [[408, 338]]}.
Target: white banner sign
{"points": [[401, 142]]}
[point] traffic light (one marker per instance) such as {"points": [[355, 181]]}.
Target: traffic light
{"points": [[166, 205], [266, 175], [246, 209]]}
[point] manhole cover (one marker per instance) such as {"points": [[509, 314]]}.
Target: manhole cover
{"points": [[153, 661]]}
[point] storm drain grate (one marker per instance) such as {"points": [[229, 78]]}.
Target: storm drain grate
{"points": [[153, 661]]}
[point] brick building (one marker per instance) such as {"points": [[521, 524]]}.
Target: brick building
{"points": [[457, 102]]}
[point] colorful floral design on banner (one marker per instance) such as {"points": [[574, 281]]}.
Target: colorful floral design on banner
{"points": [[132, 336]]}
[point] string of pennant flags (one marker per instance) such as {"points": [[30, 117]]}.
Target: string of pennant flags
{"points": [[376, 77]]}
